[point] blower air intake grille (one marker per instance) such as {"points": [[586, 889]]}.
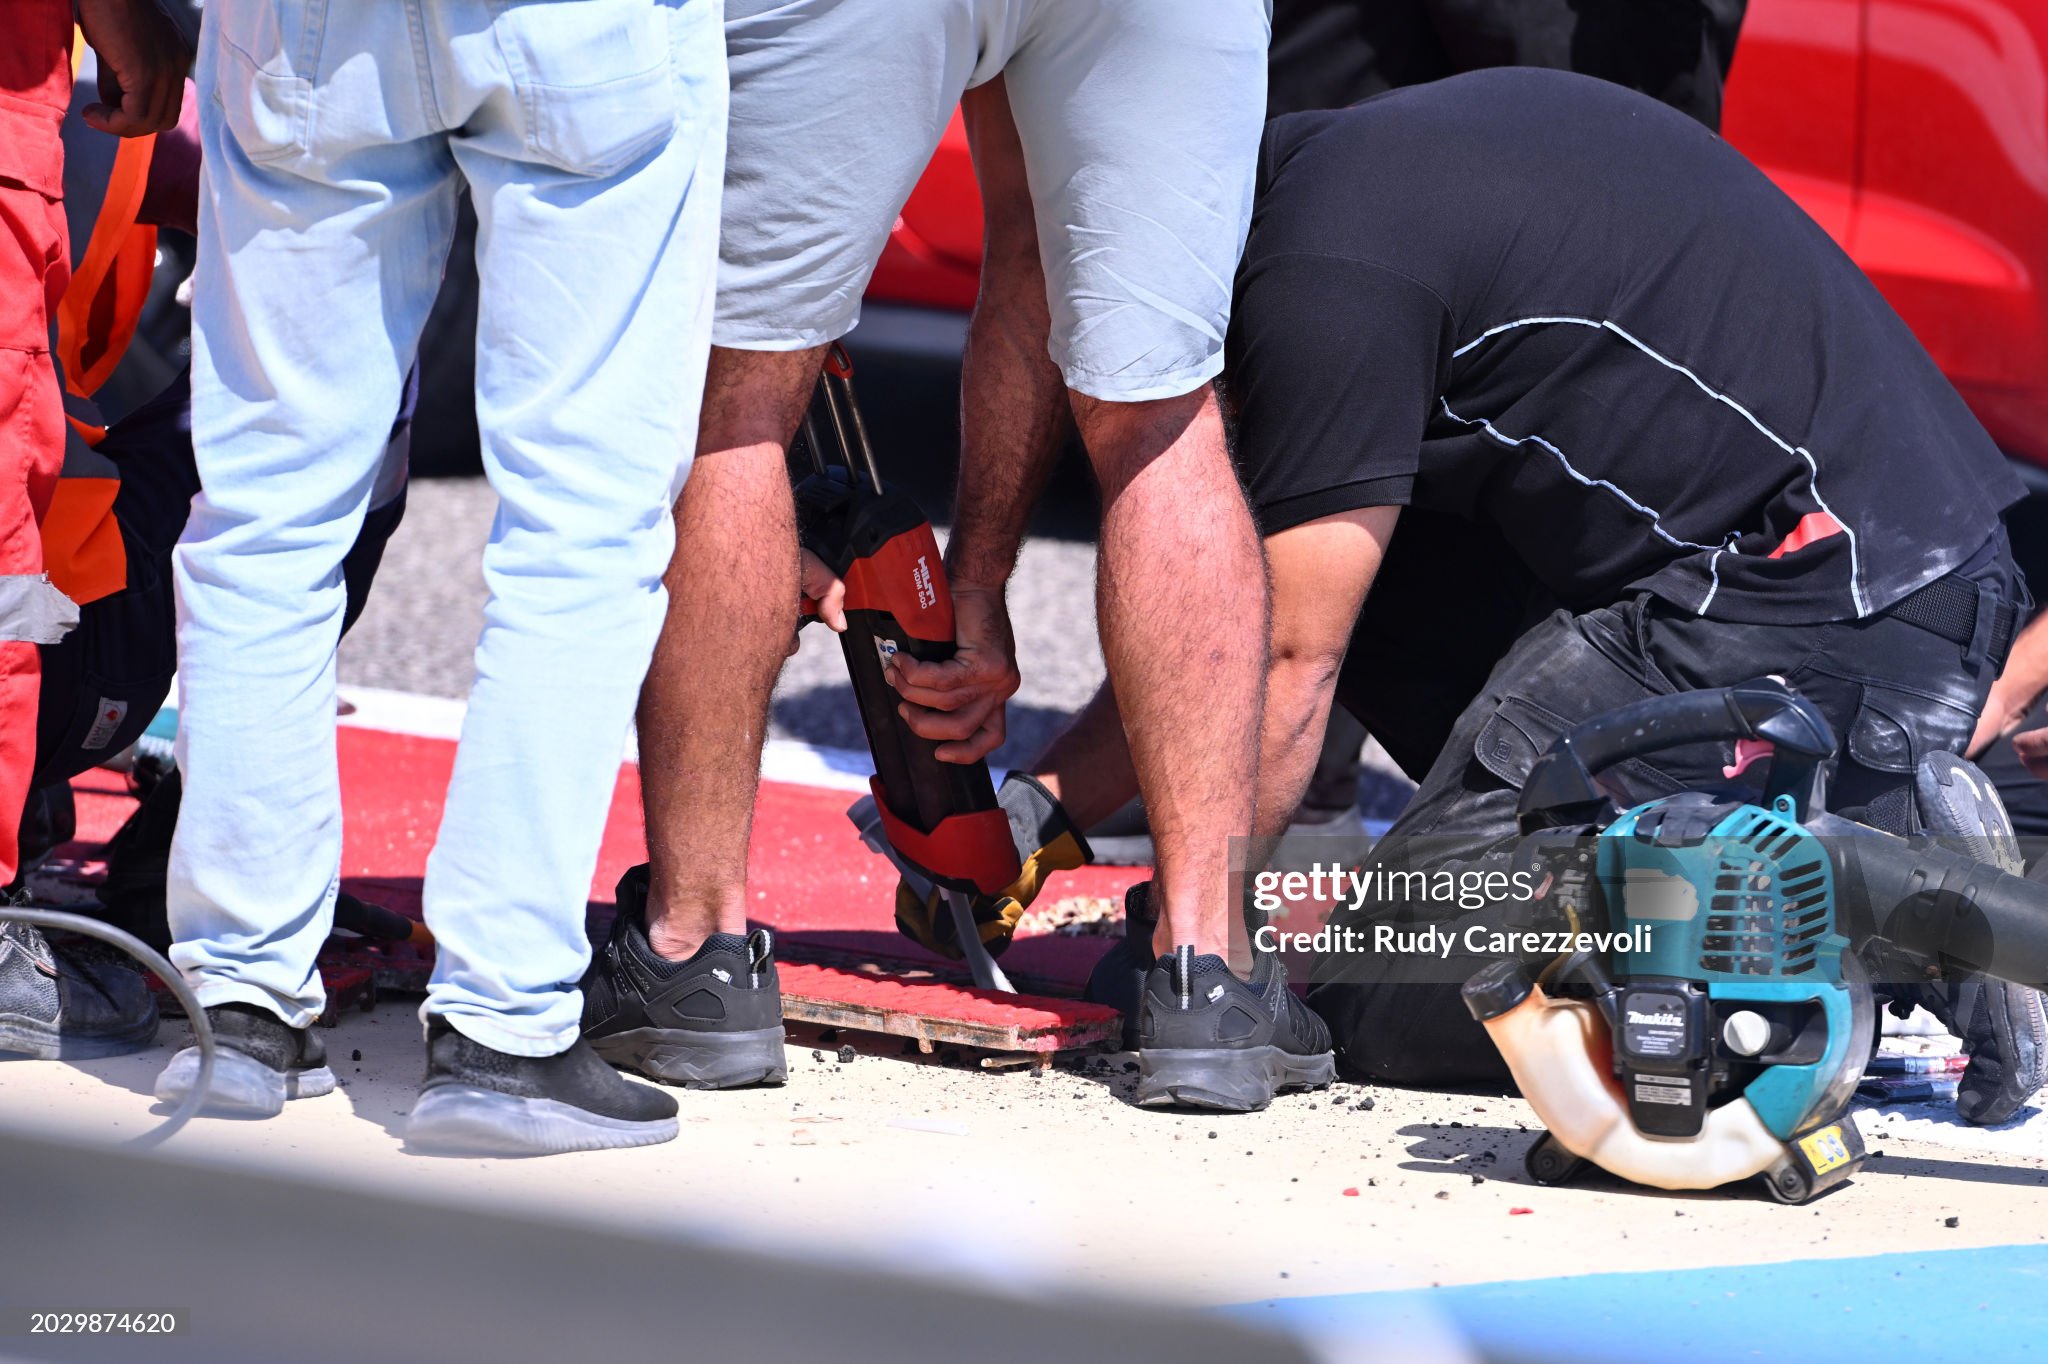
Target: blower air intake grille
{"points": [[1769, 907]]}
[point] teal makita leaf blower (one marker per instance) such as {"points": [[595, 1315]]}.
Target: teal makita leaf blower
{"points": [[1715, 1017]]}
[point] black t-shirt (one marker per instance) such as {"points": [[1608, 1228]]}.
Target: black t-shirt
{"points": [[1538, 300]]}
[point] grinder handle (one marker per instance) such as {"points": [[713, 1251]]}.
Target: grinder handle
{"points": [[1561, 787]]}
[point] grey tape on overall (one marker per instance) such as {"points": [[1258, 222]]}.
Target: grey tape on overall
{"points": [[33, 611]]}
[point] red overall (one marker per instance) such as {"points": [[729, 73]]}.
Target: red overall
{"points": [[35, 88]]}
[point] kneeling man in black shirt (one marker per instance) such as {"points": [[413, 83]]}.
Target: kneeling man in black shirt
{"points": [[1547, 401]]}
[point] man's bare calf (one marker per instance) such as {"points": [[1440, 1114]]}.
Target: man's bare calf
{"points": [[732, 593]]}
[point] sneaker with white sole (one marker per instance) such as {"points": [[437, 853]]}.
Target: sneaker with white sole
{"points": [[478, 1101], [260, 1062]]}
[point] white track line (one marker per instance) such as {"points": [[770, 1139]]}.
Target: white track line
{"points": [[440, 717]]}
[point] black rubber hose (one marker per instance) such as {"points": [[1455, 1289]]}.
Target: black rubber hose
{"points": [[202, 1030]]}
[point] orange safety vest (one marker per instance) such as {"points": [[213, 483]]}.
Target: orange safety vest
{"points": [[82, 548]]}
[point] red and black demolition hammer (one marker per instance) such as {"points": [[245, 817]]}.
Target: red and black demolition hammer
{"points": [[938, 822]]}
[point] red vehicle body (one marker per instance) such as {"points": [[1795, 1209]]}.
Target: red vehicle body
{"points": [[1914, 131]]}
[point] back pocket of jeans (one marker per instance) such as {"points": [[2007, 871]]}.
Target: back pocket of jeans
{"points": [[595, 80], [265, 61]]}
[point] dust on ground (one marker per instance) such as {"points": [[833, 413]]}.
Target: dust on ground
{"points": [[876, 1152]]}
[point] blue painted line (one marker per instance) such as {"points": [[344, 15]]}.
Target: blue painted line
{"points": [[1981, 1305]]}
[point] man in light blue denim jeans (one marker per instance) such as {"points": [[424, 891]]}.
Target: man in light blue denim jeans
{"points": [[591, 136]]}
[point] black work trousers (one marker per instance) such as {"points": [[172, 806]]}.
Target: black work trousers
{"points": [[1418, 677]]}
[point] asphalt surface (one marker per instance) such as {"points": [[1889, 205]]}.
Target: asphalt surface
{"points": [[419, 631]]}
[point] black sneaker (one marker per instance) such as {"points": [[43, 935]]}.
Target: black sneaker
{"points": [[712, 1022], [477, 1101], [72, 1000], [1209, 1040], [259, 1062], [1118, 979]]}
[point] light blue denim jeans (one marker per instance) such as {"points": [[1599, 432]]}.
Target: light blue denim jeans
{"points": [[337, 133]]}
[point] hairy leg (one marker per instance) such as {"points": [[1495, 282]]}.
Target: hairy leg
{"points": [[1181, 593], [1178, 546], [1013, 416], [732, 592], [1013, 409]]}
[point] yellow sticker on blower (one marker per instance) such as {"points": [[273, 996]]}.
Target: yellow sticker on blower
{"points": [[1825, 1149]]}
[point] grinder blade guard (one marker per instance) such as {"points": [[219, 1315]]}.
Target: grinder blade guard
{"points": [[937, 822]]}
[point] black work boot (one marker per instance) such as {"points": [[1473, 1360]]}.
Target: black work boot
{"points": [[478, 1101], [711, 1022], [1118, 979], [259, 1063], [2003, 1027], [71, 1000], [1209, 1040]]}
